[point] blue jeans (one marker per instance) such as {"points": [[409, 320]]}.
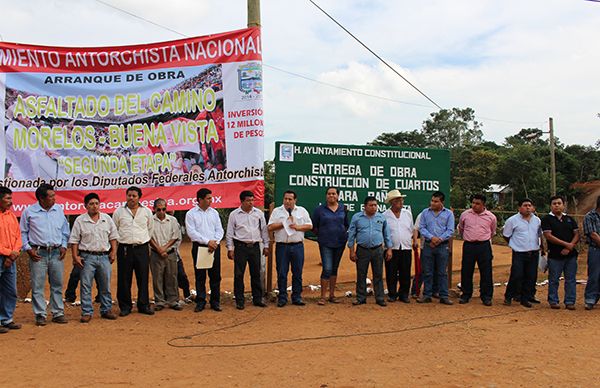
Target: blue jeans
{"points": [[97, 267], [50, 264], [330, 258], [556, 267], [592, 289], [286, 254], [8, 291], [434, 262]]}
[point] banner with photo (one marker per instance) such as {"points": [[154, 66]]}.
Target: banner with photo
{"points": [[168, 117]]}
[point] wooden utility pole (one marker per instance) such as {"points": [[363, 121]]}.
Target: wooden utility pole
{"points": [[552, 156], [253, 13]]}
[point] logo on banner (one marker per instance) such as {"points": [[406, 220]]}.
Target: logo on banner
{"points": [[286, 152], [250, 80]]}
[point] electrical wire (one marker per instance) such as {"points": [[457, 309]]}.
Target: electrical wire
{"points": [[323, 337], [375, 54], [315, 80]]}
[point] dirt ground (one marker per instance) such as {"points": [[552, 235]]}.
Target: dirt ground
{"points": [[314, 346]]}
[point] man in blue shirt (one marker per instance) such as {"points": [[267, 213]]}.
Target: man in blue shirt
{"points": [[370, 232], [436, 227], [45, 231], [522, 232]]}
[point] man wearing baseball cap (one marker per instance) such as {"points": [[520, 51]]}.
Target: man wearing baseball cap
{"points": [[397, 268]]}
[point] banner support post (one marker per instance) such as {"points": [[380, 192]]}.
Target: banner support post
{"points": [[253, 13]]}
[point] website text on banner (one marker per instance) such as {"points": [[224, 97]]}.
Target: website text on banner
{"points": [[166, 117]]}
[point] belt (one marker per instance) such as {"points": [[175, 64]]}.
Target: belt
{"points": [[95, 253], [172, 250], [46, 247], [250, 244], [293, 243], [370, 249], [133, 245], [200, 245], [442, 243], [477, 242]]}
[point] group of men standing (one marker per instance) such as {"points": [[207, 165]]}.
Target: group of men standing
{"points": [[143, 241]]}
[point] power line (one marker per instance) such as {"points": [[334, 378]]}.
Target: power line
{"points": [[315, 80], [375, 54], [344, 88], [141, 18]]}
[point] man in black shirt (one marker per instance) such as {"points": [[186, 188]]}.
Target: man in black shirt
{"points": [[562, 234]]}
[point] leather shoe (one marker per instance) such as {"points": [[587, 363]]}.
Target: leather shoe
{"points": [[381, 303], [358, 302], [4, 330], [109, 315], [534, 301], [60, 319], [487, 302], [216, 307], [146, 311], [526, 303], [40, 320], [391, 299], [424, 300], [298, 303], [446, 301], [239, 306], [507, 301], [124, 313], [404, 299], [281, 303], [589, 306], [260, 304], [85, 318], [12, 326], [463, 301], [176, 307], [570, 307], [199, 308], [158, 307], [555, 306]]}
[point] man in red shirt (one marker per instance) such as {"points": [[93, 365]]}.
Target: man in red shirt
{"points": [[10, 247], [477, 226]]}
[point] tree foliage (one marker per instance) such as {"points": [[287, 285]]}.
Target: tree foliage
{"points": [[522, 161]]}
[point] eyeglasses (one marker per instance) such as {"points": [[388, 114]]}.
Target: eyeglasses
{"points": [[161, 209]]}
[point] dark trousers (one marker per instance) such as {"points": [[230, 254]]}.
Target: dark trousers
{"points": [[132, 259], [74, 277], [480, 253], [214, 275], [182, 279], [243, 254], [286, 255], [523, 275], [397, 270], [364, 257]]}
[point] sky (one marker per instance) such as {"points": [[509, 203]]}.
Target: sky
{"points": [[515, 62]]}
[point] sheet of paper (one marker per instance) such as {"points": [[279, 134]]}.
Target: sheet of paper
{"points": [[286, 226], [204, 259]]}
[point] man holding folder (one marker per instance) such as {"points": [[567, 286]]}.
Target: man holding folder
{"points": [[203, 226]]}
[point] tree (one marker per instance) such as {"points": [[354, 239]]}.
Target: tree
{"points": [[453, 128], [412, 139], [269, 173]]}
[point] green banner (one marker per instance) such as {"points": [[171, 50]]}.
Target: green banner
{"points": [[359, 171]]}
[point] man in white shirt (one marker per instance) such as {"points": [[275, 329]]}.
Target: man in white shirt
{"points": [[397, 269], [289, 222], [134, 224], [94, 247], [203, 226], [163, 257], [246, 229]]}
